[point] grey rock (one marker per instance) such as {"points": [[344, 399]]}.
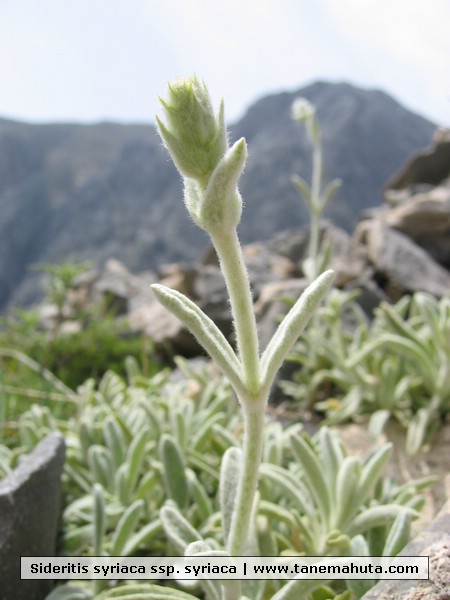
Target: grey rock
{"points": [[406, 266], [437, 245], [425, 218], [420, 214], [29, 517], [211, 296], [209, 286], [113, 287], [347, 258], [179, 276], [420, 197], [48, 315], [265, 266], [370, 294], [291, 243], [430, 166], [142, 294], [168, 334], [274, 302]]}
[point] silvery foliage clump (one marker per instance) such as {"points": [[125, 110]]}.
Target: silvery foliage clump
{"points": [[131, 446], [396, 366], [135, 445], [316, 197], [327, 503]]}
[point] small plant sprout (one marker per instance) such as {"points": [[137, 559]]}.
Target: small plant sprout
{"points": [[196, 139], [316, 198]]}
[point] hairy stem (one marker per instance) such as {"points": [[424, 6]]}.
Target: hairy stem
{"points": [[232, 264], [252, 448], [316, 209], [253, 404]]}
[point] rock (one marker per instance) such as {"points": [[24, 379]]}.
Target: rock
{"points": [[426, 213], [429, 166], [274, 302], [167, 333], [113, 286], [209, 286], [420, 199], [405, 266], [29, 515], [179, 277], [370, 294], [48, 315], [142, 295], [265, 266], [70, 328], [263, 260], [347, 259], [292, 244], [438, 246], [425, 218], [211, 296], [434, 542]]}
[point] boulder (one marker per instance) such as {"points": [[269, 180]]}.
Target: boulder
{"points": [[425, 213], [275, 300], [405, 266], [142, 292], [425, 218], [178, 277], [167, 333], [113, 287], [430, 166], [291, 243], [29, 517], [264, 266], [211, 296], [347, 257], [419, 199]]}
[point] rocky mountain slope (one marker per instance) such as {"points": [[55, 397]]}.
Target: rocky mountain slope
{"points": [[400, 247], [78, 192]]}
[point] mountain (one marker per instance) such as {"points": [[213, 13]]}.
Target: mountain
{"points": [[91, 192]]}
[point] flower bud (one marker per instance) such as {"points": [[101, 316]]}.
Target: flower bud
{"points": [[197, 142], [304, 112], [221, 204], [219, 207], [194, 136]]}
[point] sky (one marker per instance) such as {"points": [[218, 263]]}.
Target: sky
{"points": [[94, 60]]}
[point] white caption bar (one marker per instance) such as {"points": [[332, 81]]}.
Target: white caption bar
{"points": [[223, 567]]}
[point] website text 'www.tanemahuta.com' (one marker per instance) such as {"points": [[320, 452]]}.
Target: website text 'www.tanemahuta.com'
{"points": [[225, 567]]}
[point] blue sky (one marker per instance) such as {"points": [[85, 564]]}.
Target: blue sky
{"points": [[90, 60]]}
